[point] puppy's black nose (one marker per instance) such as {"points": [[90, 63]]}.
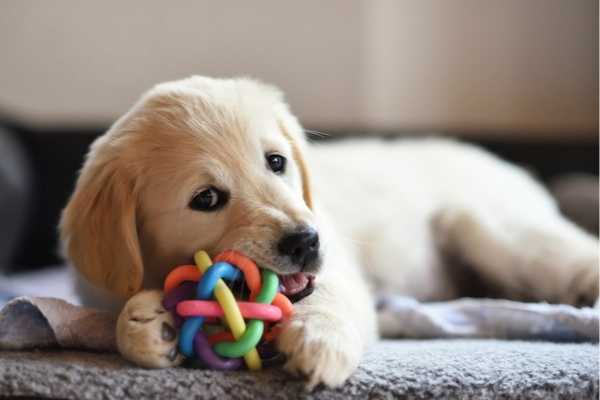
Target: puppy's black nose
{"points": [[301, 246]]}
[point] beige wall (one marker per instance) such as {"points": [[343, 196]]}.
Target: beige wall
{"points": [[511, 65], [504, 65]]}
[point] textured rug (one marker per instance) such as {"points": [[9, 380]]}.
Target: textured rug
{"points": [[410, 369]]}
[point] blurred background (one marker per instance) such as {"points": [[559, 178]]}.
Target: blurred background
{"points": [[518, 77]]}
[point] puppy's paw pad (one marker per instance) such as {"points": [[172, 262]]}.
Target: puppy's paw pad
{"points": [[168, 332]]}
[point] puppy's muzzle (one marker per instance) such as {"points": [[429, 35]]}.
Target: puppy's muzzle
{"points": [[301, 246]]}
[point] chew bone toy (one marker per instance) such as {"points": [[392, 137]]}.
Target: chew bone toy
{"points": [[214, 346]]}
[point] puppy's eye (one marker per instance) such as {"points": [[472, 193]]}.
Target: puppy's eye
{"points": [[209, 199], [276, 163]]}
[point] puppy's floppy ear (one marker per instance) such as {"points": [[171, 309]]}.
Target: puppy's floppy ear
{"points": [[98, 226], [295, 135]]}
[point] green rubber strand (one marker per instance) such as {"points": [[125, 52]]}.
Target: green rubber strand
{"points": [[250, 338], [270, 284], [255, 327]]}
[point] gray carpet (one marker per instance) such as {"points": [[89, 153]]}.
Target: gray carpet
{"points": [[428, 369]]}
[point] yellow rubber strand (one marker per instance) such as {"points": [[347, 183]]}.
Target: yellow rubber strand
{"points": [[233, 316]]}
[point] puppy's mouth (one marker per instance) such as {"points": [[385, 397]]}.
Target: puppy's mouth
{"points": [[296, 286]]}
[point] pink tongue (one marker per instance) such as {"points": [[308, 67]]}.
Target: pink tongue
{"points": [[294, 283]]}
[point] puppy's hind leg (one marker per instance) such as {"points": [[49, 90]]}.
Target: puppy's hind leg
{"points": [[539, 259]]}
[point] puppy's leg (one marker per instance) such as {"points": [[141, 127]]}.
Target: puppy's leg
{"points": [[331, 328], [146, 332], [547, 259]]}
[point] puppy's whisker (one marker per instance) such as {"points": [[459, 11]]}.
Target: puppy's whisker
{"points": [[316, 133]]}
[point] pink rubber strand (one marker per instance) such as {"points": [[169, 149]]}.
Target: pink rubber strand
{"points": [[205, 308]]}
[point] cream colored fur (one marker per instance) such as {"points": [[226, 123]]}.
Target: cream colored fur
{"points": [[388, 214]]}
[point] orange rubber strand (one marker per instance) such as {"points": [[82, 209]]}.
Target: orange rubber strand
{"points": [[179, 275], [282, 302], [248, 268]]}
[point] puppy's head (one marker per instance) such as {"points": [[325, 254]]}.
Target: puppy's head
{"points": [[196, 164]]}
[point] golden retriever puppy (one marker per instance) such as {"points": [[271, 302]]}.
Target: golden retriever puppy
{"points": [[215, 165], [222, 164]]}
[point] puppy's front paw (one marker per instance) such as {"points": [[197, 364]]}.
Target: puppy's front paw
{"points": [[146, 333], [320, 346]]}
